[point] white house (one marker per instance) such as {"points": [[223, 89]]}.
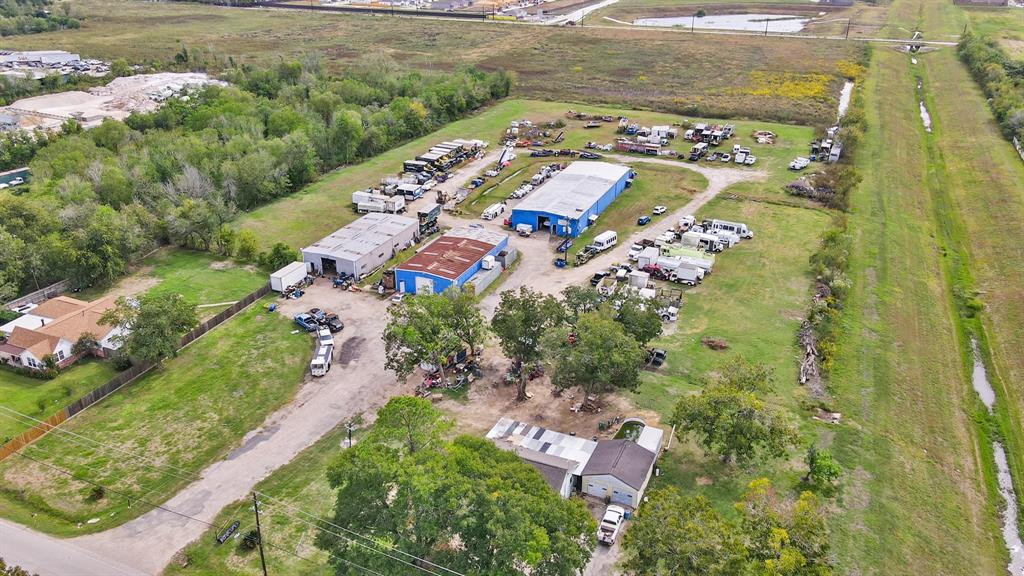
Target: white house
{"points": [[620, 469], [53, 328]]}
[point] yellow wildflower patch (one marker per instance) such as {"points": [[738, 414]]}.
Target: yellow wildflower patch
{"points": [[788, 85]]}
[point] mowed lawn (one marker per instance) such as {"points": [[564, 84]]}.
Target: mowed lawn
{"points": [[187, 414], [755, 301], [41, 398], [914, 499], [290, 548]]}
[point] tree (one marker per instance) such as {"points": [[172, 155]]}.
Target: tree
{"points": [[7, 570], [418, 331], [151, 328], [519, 321], [246, 245], [464, 504], [86, 344], [782, 537], [676, 534], [729, 420], [640, 318], [599, 356], [410, 421], [822, 469], [464, 317], [578, 300], [280, 255]]}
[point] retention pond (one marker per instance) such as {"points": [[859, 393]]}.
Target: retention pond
{"points": [[740, 22]]}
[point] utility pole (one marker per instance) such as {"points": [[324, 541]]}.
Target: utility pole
{"points": [[848, 22], [693, 22], [766, 21], [349, 427], [259, 532]]}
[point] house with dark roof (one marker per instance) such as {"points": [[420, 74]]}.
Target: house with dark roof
{"points": [[615, 469], [53, 328]]}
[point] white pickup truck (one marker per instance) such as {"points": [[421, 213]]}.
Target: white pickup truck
{"points": [[611, 524]]}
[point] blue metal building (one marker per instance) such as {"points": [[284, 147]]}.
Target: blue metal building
{"points": [[570, 202], [451, 260]]}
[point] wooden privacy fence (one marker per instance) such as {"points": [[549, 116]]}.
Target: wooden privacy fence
{"points": [[121, 379], [55, 289]]}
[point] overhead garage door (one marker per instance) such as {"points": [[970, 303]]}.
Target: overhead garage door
{"points": [[623, 498], [424, 285], [597, 491]]}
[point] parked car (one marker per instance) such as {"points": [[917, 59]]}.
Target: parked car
{"points": [[333, 323], [659, 210], [596, 278], [799, 163], [306, 322], [749, 160], [398, 297], [589, 156], [17, 181], [643, 220], [4, 185], [317, 314], [656, 357], [726, 157], [611, 524], [714, 156]]}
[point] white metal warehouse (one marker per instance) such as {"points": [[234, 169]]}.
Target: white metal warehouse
{"points": [[362, 246]]}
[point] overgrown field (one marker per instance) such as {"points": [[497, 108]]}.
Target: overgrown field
{"points": [[184, 416], [41, 398], [1004, 24], [638, 68]]}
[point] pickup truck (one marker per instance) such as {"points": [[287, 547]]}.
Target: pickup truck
{"points": [[611, 524], [306, 322]]}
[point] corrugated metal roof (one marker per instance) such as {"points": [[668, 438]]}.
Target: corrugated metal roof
{"points": [[539, 444], [362, 237], [574, 190], [454, 253]]}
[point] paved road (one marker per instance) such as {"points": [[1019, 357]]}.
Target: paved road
{"points": [[48, 556]]}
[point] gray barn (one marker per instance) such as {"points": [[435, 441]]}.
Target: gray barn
{"points": [[362, 246]]}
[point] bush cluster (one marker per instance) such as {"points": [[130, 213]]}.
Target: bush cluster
{"points": [[1000, 77], [35, 16], [829, 264]]}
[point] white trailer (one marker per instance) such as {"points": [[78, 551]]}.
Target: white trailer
{"points": [[702, 241], [288, 276], [493, 211]]}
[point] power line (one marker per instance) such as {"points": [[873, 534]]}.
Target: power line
{"points": [[299, 556], [358, 535]]}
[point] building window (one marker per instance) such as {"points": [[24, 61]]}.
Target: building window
{"points": [[60, 355]]}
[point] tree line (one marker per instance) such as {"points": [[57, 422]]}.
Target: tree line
{"points": [[35, 16], [103, 197], [1000, 77]]}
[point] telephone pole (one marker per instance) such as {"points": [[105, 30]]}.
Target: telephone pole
{"points": [[259, 532]]}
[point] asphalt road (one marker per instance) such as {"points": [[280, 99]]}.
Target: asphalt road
{"points": [[48, 556]]}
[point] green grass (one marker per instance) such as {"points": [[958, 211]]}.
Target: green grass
{"points": [[199, 277], [302, 483], [671, 72], [655, 184], [1005, 25], [41, 398], [188, 414]]}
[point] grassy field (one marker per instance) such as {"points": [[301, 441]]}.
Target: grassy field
{"points": [[1004, 24], [671, 72], [201, 278], [41, 398], [187, 414], [298, 219], [302, 483]]}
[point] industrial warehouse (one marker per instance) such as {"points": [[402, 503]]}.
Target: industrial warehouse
{"points": [[465, 255], [362, 246], [572, 200]]}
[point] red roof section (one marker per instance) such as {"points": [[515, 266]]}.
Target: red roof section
{"points": [[448, 257]]}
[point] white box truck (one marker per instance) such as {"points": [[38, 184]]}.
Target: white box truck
{"points": [[493, 211], [604, 240], [321, 362], [288, 276]]}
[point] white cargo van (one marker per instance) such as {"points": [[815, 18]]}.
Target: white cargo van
{"points": [[604, 240], [493, 211], [321, 362]]}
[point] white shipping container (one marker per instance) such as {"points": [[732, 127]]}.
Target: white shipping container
{"points": [[289, 275]]}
